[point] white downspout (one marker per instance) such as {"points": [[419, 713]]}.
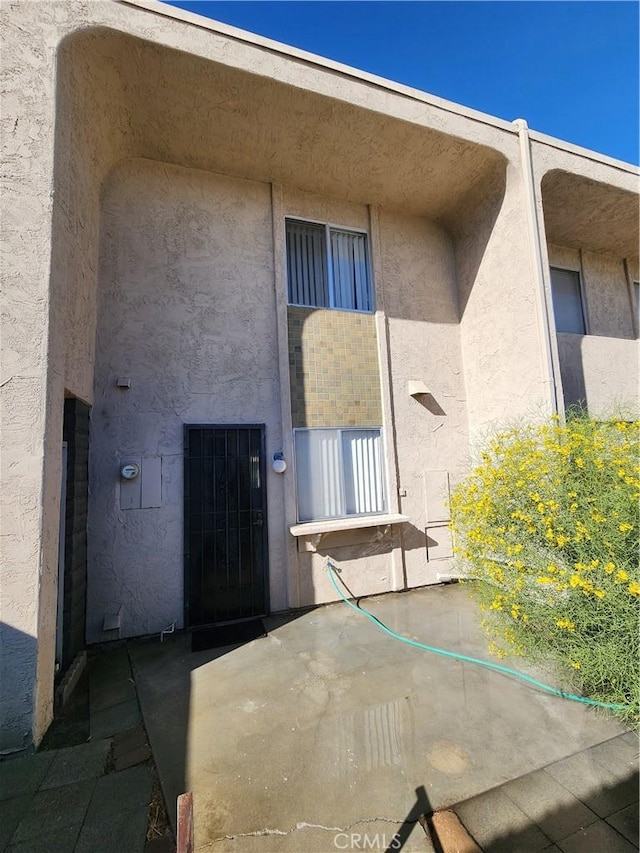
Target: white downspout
{"points": [[542, 312]]}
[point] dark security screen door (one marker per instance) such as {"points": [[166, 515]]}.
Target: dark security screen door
{"points": [[225, 524]]}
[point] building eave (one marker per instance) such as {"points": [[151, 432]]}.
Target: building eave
{"points": [[324, 64]]}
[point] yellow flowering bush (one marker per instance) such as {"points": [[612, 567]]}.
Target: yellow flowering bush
{"points": [[547, 524]]}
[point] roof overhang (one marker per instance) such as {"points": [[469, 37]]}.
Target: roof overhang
{"points": [[192, 111], [585, 214]]}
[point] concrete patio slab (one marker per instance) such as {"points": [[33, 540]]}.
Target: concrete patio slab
{"points": [[376, 835], [499, 825], [128, 827], [600, 788], [329, 722], [121, 793]]}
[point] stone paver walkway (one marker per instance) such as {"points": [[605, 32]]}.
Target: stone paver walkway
{"points": [[586, 803], [92, 797]]}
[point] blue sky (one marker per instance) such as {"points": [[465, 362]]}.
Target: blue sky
{"points": [[569, 68]]}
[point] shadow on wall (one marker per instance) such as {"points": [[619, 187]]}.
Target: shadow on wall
{"points": [[429, 266], [370, 541], [599, 374], [472, 224], [429, 402], [17, 686], [570, 356]]}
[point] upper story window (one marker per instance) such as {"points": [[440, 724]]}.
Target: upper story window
{"points": [[327, 267], [568, 307]]}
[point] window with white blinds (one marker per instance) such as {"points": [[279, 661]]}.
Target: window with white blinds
{"points": [[339, 472], [327, 267]]}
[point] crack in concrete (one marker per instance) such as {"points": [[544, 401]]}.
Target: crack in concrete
{"points": [[301, 825]]}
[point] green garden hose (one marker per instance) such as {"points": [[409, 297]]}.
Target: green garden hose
{"points": [[487, 664]]}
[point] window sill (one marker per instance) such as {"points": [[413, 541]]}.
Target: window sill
{"points": [[331, 525]]}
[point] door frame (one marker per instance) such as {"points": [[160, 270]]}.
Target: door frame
{"points": [[185, 489], [62, 532]]}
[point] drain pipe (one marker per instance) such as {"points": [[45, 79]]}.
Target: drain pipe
{"points": [[544, 326]]}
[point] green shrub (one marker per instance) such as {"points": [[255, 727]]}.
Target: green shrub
{"points": [[547, 523]]}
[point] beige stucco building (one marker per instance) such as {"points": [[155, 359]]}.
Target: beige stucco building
{"points": [[221, 254]]}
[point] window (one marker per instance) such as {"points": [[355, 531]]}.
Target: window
{"points": [[567, 301], [339, 472], [327, 267]]}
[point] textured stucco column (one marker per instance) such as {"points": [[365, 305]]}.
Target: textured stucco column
{"points": [[280, 297], [31, 404], [501, 341], [398, 573]]}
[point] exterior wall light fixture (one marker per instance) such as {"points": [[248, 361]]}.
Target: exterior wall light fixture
{"points": [[278, 464]]}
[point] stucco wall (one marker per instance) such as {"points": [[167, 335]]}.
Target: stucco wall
{"points": [[186, 311], [564, 256], [601, 372], [35, 274], [502, 342], [94, 130], [420, 298], [110, 92], [66, 121], [600, 369]]}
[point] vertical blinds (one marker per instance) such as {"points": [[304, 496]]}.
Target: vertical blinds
{"points": [[339, 473], [363, 471], [350, 272], [333, 275], [307, 264]]}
